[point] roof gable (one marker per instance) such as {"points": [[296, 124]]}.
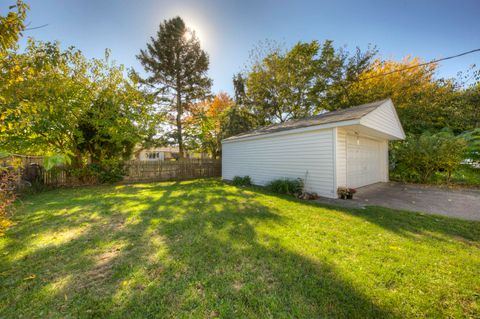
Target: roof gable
{"points": [[384, 119]]}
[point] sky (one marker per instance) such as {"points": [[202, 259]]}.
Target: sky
{"points": [[228, 30]]}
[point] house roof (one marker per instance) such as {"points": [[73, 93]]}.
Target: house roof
{"points": [[139, 149], [162, 149], [353, 113]]}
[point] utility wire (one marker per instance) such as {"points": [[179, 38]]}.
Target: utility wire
{"points": [[344, 91], [422, 64], [33, 28]]}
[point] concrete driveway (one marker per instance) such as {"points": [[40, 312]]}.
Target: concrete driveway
{"points": [[453, 202]]}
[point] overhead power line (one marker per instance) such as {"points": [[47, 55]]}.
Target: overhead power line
{"points": [[33, 28], [422, 64]]}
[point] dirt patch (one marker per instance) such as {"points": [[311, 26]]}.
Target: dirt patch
{"points": [[115, 223], [237, 285], [101, 271]]}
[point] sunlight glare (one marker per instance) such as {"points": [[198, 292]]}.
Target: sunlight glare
{"points": [[196, 22]]}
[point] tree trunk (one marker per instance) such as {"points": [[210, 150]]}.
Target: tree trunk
{"points": [[449, 176], [179, 121], [77, 160]]}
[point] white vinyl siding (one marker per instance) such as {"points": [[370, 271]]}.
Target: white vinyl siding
{"points": [[307, 155], [384, 119], [385, 162], [341, 150]]}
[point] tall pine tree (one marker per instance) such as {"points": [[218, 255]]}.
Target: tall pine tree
{"points": [[177, 68]]}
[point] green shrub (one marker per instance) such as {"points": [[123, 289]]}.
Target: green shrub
{"points": [[473, 144], [286, 186], [242, 181], [419, 158], [108, 173], [466, 175], [100, 173]]}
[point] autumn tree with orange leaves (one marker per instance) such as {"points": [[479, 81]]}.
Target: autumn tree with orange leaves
{"points": [[206, 123], [423, 102]]}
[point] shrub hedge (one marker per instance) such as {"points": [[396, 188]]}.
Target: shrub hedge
{"points": [[242, 181], [286, 186]]}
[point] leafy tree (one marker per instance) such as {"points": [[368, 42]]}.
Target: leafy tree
{"points": [[57, 101], [12, 25], [43, 94], [207, 117], [118, 117], [295, 83], [344, 71], [423, 102], [177, 66], [215, 119], [237, 119], [470, 106]]}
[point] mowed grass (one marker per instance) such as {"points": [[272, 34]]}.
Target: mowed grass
{"points": [[207, 249]]}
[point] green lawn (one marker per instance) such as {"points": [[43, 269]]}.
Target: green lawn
{"points": [[466, 175], [206, 249]]}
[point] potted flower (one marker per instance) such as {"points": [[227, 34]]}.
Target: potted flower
{"points": [[346, 193]]}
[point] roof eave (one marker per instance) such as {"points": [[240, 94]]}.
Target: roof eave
{"points": [[293, 131]]}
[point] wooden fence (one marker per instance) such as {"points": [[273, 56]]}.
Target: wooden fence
{"points": [[30, 170], [59, 177], [136, 171], [172, 170]]}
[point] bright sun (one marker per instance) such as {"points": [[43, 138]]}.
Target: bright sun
{"points": [[194, 29], [188, 35], [196, 22]]}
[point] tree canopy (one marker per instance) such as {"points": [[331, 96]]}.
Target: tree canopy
{"points": [[56, 100], [310, 78], [301, 81], [207, 117], [12, 25], [423, 102]]}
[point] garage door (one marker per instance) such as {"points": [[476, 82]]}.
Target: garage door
{"points": [[364, 161]]}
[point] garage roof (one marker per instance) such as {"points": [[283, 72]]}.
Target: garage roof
{"points": [[353, 113]]}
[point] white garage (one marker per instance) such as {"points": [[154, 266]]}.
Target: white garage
{"points": [[342, 148]]}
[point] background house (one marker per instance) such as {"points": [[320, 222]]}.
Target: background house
{"points": [[346, 148], [163, 154]]}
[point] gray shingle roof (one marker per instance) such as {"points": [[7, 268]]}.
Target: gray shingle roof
{"points": [[353, 113]]}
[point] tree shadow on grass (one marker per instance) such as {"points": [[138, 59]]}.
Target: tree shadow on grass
{"points": [[185, 249]]}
